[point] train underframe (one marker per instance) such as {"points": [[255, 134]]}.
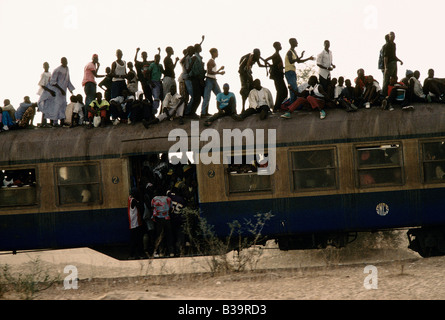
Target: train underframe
{"points": [[315, 241], [427, 241]]}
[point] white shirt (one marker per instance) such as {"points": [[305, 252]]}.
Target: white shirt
{"points": [[258, 98], [214, 69], [315, 91], [338, 91], [121, 70], [324, 59], [77, 107], [418, 89], [44, 80], [171, 101]]}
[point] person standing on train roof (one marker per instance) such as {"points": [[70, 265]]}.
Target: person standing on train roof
{"points": [[106, 83], [119, 73], [277, 75], [290, 68], [211, 83], [54, 106], [89, 79], [132, 79], [169, 70], [154, 75], [390, 60], [141, 72], [245, 73], [136, 225], [45, 77], [197, 76], [325, 65]]}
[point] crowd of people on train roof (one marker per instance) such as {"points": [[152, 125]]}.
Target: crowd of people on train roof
{"points": [[147, 91]]}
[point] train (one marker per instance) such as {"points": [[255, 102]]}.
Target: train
{"points": [[366, 171]]}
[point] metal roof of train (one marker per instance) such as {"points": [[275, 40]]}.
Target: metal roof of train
{"points": [[305, 128]]}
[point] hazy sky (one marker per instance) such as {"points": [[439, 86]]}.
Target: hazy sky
{"points": [[32, 32]]}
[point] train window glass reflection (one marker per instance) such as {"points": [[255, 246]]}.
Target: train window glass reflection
{"points": [[248, 173], [314, 169], [380, 166], [434, 162], [18, 188], [78, 184]]}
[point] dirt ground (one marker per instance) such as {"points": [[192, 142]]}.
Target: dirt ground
{"points": [[269, 274]]}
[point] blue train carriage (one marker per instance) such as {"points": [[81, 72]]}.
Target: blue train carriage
{"points": [[361, 172], [70, 189]]}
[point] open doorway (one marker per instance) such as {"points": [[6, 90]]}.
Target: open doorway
{"points": [[167, 191]]}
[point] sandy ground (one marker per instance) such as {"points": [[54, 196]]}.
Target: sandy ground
{"points": [[271, 275]]}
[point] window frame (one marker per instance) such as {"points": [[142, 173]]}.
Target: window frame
{"points": [[358, 168], [422, 161], [81, 164], [37, 187], [335, 159], [245, 193]]}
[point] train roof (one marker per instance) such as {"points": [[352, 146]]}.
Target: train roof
{"points": [[305, 128]]}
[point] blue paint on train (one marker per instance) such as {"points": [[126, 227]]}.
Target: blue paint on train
{"points": [[337, 213], [63, 229], [291, 216]]}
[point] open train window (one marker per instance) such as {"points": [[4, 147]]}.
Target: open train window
{"points": [[314, 169], [78, 184], [379, 165], [433, 162], [248, 173], [18, 188]]}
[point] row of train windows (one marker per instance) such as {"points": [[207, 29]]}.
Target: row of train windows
{"points": [[376, 166], [310, 170], [74, 185]]}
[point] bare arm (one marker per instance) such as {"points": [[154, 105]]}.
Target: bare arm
{"points": [[136, 56]]}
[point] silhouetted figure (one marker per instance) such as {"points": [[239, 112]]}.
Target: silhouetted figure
{"points": [[277, 75], [245, 72], [390, 60]]}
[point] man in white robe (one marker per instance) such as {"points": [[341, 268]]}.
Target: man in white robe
{"points": [[54, 106]]}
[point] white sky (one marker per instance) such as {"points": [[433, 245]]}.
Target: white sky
{"points": [[32, 32]]}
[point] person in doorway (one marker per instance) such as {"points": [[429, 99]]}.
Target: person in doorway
{"points": [[136, 225]]}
